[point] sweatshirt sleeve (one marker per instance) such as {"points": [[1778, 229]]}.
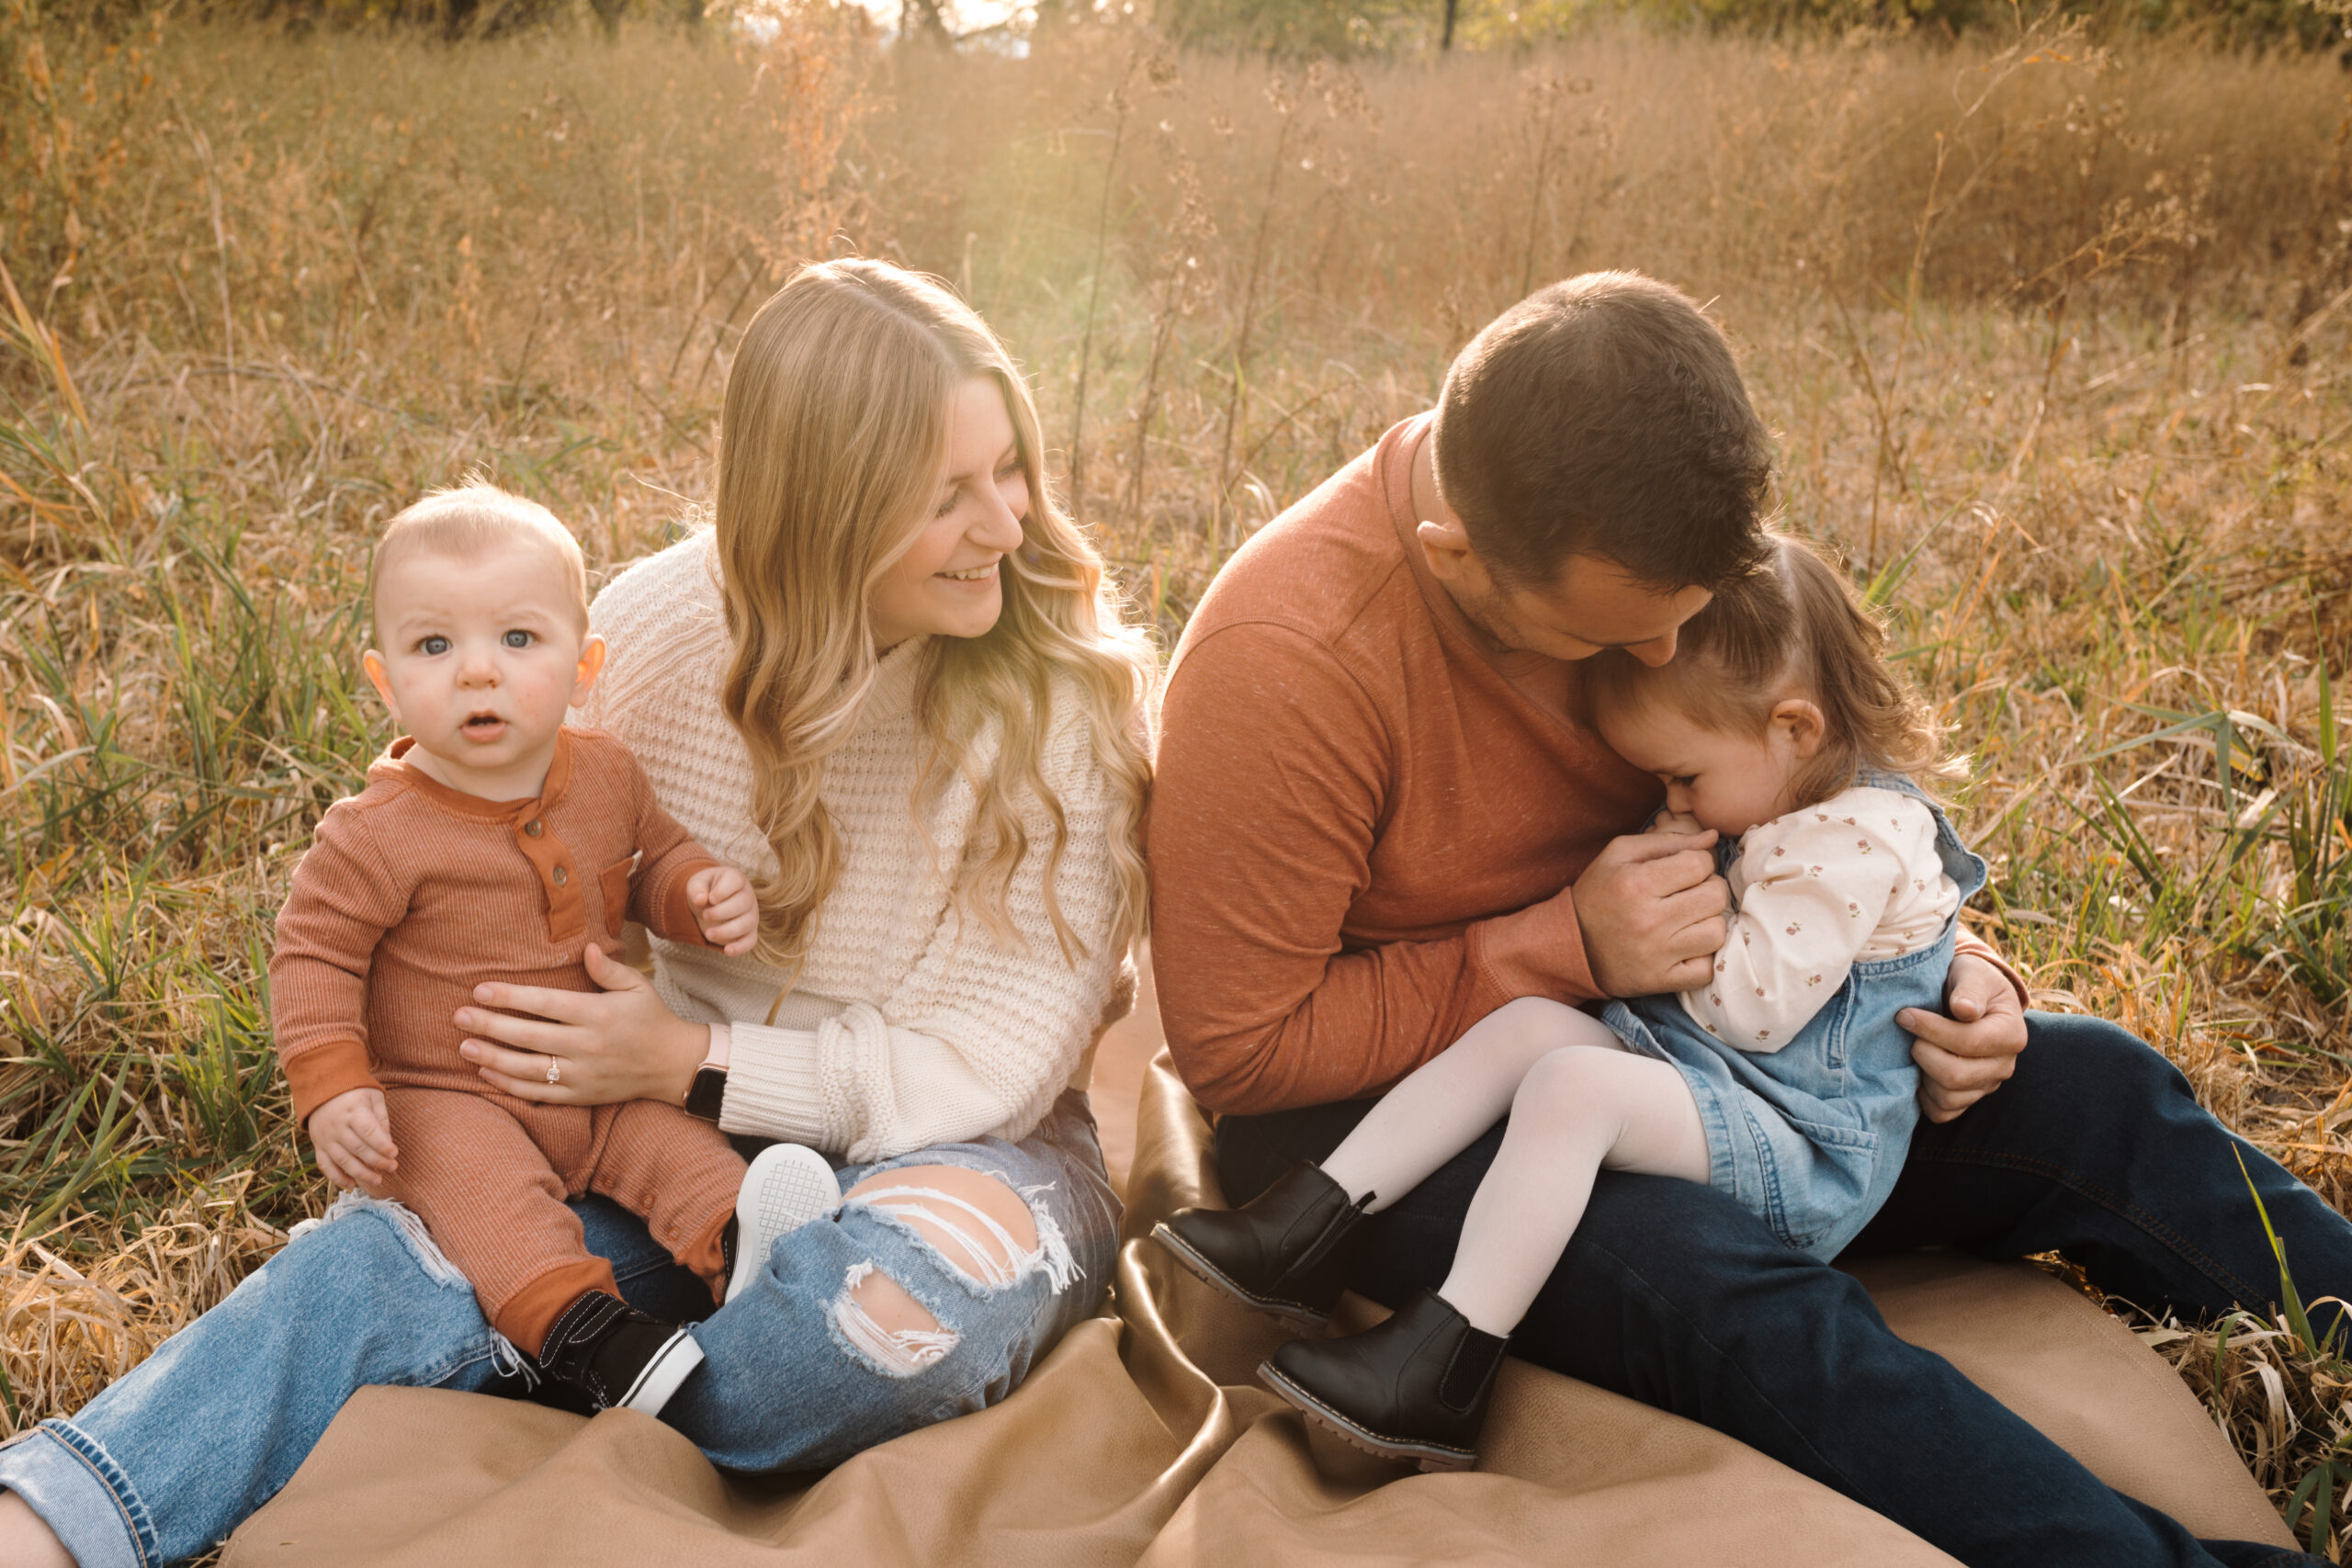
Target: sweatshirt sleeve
{"points": [[343, 897], [668, 858], [1273, 780], [1813, 889], [987, 1028]]}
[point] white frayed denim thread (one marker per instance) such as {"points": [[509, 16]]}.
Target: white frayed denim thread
{"points": [[987, 1269], [899, 1353], [905, 1352]]}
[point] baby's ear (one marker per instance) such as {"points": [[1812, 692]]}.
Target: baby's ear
{"points": [[1808, 729], [592, 664], [373, 663]]}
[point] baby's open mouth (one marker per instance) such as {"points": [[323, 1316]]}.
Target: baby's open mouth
{"points": [[483, 723]]}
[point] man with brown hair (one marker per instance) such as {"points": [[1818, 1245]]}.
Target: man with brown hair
{"points": [[1381, 813]]}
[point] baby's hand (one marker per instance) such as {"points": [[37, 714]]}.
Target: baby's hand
{"points": [[724, 909], [1675, 822], [351, 1136]]}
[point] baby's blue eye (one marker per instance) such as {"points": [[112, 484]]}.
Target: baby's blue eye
{"points": [[433, 647], [518, 640]]}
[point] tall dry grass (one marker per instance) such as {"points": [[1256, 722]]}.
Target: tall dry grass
{"points": [[2053, 339]]}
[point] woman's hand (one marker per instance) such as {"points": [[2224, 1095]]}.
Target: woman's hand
{"points": [[621, 1042], [1966, 1056]]}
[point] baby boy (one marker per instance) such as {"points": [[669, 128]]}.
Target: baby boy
{"points": [[492, 843]]}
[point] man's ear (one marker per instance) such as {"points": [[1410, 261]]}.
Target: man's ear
{"points": [[1808, 729], [373, 663], [1446, 547], [592, 664]]}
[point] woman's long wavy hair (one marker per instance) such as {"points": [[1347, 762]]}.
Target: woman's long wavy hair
{"points": [[832, 442]]}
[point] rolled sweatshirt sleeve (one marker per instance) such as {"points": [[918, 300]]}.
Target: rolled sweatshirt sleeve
{"points": [[1274, 779]]}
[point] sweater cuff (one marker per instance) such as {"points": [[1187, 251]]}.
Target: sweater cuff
{"points": [[1536, 951], [775, 1087], [1968, 941], [676, 911], [321, 1073]]}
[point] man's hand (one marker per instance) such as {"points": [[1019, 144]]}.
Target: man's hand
{"points": [[724, 907], [1968, 1055], [1651, 909], [351, 1136]]}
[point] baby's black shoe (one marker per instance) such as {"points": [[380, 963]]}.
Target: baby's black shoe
{"points": [[1415, 1387], [1282, 1252], [615, 1357]]}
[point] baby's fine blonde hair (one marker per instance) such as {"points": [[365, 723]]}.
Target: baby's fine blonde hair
{"points": [[1794, 626], [473, 518]]}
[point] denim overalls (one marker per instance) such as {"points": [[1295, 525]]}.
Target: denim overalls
{"points": [[1812, 1137]]}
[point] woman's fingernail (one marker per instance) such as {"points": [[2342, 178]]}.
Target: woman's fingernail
{"points": [[469, 1051]]}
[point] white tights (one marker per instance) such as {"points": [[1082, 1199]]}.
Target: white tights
{"points": [[1578, 1102]]}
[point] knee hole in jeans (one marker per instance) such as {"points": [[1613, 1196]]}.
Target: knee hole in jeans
{"points": [[895, 1334], [979, 1229]]}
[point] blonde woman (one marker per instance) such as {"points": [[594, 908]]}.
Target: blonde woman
{"points": [[890, 684]]}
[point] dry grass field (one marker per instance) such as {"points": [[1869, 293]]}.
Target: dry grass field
{"points": [[2053, 336]]}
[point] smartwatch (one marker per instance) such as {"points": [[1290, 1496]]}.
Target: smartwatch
{"points": [[709, 1090]]}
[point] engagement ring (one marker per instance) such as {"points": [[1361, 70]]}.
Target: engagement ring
{"points": [[555, 1070]]}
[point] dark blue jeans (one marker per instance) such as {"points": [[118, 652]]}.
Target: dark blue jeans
{"points": [[1673, 1295]]}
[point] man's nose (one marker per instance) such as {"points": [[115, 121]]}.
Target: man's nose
{"points": [[1657, 651]]}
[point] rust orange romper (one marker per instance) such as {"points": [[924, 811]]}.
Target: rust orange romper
{"points": [[412, 895]]}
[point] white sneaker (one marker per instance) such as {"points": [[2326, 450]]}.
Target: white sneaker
{"points": [[787, 1186]]}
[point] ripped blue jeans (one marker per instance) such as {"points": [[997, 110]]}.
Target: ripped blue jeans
{"points": [[172, 1457]]}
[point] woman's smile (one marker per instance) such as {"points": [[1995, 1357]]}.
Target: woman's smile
{"points": [[971, 573]]}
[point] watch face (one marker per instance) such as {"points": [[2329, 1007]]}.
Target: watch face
{"points": [[709, 1091]]}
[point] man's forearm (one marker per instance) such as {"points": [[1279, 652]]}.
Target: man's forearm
{"points": [[1354, 1023]]}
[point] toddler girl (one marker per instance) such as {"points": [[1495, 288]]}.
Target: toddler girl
{"points": [[1784, 1082], [494, 843]]}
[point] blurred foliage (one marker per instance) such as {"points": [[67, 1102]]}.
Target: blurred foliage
{"points": [[2294, 24], [1297, 29]]}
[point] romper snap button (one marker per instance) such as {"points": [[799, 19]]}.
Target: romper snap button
{"points": [[561, 876], [535, 826]]}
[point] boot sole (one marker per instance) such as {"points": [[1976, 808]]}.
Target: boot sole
{"points": [[1430, 1457], [1298, 1319]]}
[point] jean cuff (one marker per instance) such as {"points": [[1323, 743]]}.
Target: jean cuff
{"points": [[81, 1494]]}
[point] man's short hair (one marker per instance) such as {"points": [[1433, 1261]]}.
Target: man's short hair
{"points": [[1604, 416]]}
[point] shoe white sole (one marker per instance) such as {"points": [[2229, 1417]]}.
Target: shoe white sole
{"points": [[787, 1186], [661, 1375]]}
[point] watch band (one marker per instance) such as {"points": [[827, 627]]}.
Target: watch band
{"points": [[708, 1093]]}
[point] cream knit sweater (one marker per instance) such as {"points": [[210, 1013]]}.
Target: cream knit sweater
{"points": [[907, 1027]]}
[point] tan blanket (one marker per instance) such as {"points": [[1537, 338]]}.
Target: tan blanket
{"points": [[1144, 1440]]}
